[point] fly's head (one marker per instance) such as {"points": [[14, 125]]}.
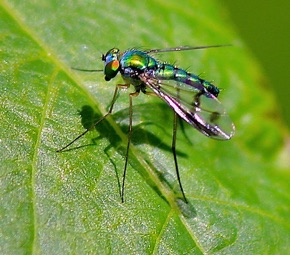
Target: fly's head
{"points": [[112, 63]]}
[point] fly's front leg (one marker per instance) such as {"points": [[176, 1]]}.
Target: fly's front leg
{"points": [[131, 95], [119, 86]]}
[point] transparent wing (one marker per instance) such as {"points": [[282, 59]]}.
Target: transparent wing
{"points": [[182, 48], [197, 107]]}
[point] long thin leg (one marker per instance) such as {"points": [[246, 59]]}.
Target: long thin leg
{"points": [[131, 95], [174, 155], [101, 119]]}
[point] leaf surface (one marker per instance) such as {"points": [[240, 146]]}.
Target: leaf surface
{"points": [[69, 203]]}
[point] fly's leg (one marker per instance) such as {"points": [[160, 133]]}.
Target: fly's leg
{"points": [[174, 155], [173, 148], [131, 95], [119, 86]]}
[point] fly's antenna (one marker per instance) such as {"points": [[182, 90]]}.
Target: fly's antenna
{"points": [[87, 70]]}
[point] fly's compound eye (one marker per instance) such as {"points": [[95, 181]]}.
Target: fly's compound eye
{"points": [[111, 69]]}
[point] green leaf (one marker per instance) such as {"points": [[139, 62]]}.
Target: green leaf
{"points": [[69, 203]]}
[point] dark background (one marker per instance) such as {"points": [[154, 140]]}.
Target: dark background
{"points": [[265, 27]]}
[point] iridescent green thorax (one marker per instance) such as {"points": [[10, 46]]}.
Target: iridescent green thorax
{"points": [[137, 60]]}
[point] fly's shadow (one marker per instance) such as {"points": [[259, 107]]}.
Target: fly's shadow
{"points": [[105, 130], [140, 135]]}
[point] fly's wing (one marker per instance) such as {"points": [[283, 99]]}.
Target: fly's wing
{"points": [[197, 107], [183, 48]]}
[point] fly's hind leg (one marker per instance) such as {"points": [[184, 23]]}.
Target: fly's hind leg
{"points": [[173, 147]]}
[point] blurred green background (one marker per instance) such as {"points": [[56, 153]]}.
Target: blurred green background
{"points": [[264, 27]]}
